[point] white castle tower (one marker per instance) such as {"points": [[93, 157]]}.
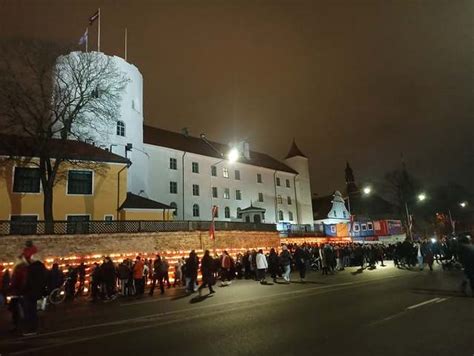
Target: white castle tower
{"points": [[127, 129], [338, 210], [299, 162]]}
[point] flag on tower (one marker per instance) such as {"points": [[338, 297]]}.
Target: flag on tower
{"points": [[93, 17]]}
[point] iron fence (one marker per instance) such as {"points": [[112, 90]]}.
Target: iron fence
{"points": [[131, 226]]}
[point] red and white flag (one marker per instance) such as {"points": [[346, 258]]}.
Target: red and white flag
{"points": [[212, 228], [94, 17]]}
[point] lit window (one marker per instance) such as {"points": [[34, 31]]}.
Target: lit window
{"points": [[280, 215], [120, 128], [214, 192], [259, 178], [260, 197], [26, 180], [278, 181], [226, 193], [195, 190], [225, 172], [287, 183], [290, 216], [173, 163], [196, 210], [173, 187], [195, 167], [79, 182], [227, 212], [238, 195], [279, 199], [213, 171], [237, 174], [174, 206], [289, 200]]}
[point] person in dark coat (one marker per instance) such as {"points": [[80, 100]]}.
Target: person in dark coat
{"points": [[192, 265], [466, 254], [35, 288], [109, 276], [207, 271], [273, 264], [157, 275], [300, 262], [55, 278]]}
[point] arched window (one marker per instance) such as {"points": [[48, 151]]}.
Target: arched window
{"points": [[280, 215], [239, 214], [196, 210], [120, 128], [227, 212], [290, 216], [175, 207]]}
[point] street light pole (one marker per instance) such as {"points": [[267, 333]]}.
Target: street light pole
{"points": [[408, 221]]}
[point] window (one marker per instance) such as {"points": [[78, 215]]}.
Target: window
{"points": [[225, 172], [278, 181], [120, 128], [259, 178], [213, 171], [238, 195], [196, 210], [195, 167], [23, 224], [364, 227], [174, 206], [217, 212], [290, 216], [226, 193], [287, 183], [195, 190], [77, 224], [79, 182], [289, 200], [280, 215], [260, 197], [227, 212], [333, 229], [356, 227], [214, 192], [26, 180], [108, 219], [237, 174], [370, 226], [173, 187], [239, 214], [279, 199], [344, 214], [173, 163]]}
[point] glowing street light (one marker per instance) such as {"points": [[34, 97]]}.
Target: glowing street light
{"points": [[421, 196], [233, 155], [463, 204], [367, 190]]}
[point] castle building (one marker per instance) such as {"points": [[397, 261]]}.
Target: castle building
{"points": [[192, 174]]}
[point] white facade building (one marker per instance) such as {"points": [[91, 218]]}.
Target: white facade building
{"points": [[190, 173]]}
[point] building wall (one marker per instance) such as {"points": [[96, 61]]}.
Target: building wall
{"points": [[146, 215], [303, 188], [143, 243], [107, 193], [160, 176]]}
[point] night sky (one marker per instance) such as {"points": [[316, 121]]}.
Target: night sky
{"points": [[355, 80]]}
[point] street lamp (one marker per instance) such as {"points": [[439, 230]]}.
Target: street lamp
{"points": [[463, 204], [233, 155], [421, 196], [367, 190]]}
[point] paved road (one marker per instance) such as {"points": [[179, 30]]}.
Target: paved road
{"points": [[381, 312]]}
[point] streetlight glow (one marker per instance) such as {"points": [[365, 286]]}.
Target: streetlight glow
{"points": [[367, 190], [233, 155], [463, 204], [421, 196]]}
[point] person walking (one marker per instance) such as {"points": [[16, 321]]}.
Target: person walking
{"points": [[157, 275], [285, 260], [273, 264], [207, 272], [226, 264], [300, 262], [35, 289], [191, 271], [138, 268], [262, 265]]}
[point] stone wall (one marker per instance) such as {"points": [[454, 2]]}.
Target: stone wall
{"points": [[51, 246]]}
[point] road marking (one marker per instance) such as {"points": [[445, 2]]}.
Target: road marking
{"points": [[423, 303]]}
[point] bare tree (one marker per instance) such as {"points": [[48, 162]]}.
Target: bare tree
{"points": [[47, 94]]}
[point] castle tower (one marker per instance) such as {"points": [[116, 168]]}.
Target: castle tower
{"points": [[338, 209], [299, 162], [351, 187], [127, 128]]}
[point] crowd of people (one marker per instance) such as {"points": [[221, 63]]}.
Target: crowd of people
{"points": [[31, 281]]}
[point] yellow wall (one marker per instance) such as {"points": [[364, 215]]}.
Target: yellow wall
{"points": [[145, 215], [102, 202]]}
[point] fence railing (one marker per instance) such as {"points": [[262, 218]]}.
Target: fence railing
{"points": [[130, 226]]}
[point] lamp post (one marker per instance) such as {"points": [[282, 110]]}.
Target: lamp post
{"points": [[365, 191], [462, 204], [420, 197]]}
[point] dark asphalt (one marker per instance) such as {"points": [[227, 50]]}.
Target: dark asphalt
{"points": [[381, 312]]}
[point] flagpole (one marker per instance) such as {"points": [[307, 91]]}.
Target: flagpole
{"points": [[126, 44], [87, 40], [98, 32]]}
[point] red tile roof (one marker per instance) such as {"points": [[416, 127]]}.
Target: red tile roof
{"points": [[19, 146], [163, 138]]}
